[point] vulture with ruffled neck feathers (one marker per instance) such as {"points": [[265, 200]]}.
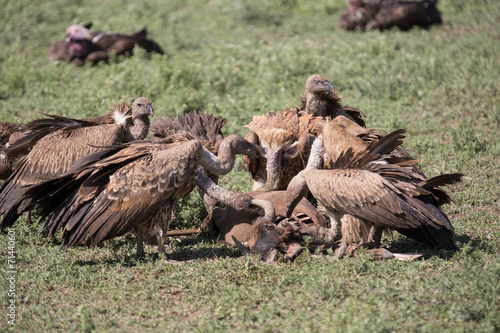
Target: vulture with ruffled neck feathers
{"points": [[286, 137], [134, 187], [63, 142], [373, 185]]}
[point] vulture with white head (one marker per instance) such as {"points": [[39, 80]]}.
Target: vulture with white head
{"points": [[373, 185], [63, 144]]}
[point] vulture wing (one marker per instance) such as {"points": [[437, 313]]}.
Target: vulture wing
{"points": [[113, 196]]}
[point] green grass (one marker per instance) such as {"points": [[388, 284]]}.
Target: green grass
{"points": [[239, 59]]}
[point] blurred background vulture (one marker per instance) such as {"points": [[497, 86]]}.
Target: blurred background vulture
{"points": [[52, 145], [373, 185], [386, 14], [134, 187], [285, 138], [82, 45]]}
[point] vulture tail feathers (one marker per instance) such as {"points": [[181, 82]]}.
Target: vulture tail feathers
{"points": [[442, 180]]}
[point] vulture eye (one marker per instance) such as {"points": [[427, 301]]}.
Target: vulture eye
{"points": [[316, 81], [139, 104]]}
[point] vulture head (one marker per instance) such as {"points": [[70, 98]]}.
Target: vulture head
{"points": [[76, 37], [319, 97], [141, 110]]}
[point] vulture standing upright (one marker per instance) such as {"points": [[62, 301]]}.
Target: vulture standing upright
{"points": [[133, 187], [373, 185], [386, 14], [83, 46], [53, 153], [285, 138]]}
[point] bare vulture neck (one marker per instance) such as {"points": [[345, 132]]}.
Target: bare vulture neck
{"points": [[222, 164], [139, 129]]}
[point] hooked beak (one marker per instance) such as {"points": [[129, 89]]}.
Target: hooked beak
{"points": [[150, 110], [329, 87]]}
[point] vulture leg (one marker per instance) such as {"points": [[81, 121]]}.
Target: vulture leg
{"points": [[140, 243], [339, 253], [377, 236]]}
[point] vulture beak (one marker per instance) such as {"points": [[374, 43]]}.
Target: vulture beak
{"points": [[150, 110], [329, 87]]}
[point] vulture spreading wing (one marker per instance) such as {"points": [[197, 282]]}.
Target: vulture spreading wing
{"points": [[57, 143], [374, 185], [386, 14], [132, 187]]}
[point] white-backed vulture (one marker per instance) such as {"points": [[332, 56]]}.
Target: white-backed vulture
{"points": [[285, 138], [133, 187], [83, 46], [386, 14], [53, 153], [373, 185]]}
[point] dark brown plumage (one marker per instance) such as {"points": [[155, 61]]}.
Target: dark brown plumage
{"points": [[83, 46], [131, 187], [374, 185], [63, 141], [386, 14]]}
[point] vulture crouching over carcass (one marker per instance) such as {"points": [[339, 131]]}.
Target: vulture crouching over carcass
{"points": [[272, 236], [83, 46], [132, 187], [373, 185], [285, 138], [63, 141], [386, 14]]}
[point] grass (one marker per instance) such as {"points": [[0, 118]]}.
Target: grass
{"points": [[239, 59]]}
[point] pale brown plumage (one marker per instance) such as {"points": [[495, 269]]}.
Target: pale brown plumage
{"points": [[286, 137], [132, 187], [374, 186], [386, 14], [61, 145]]}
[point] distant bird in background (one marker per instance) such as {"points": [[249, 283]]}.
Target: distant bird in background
{"points": [[386, 14], [83, 46]]}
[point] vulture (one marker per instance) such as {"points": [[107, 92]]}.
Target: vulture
{"points": [[133, 187], [83, 46], [285, 138], [205, 127], [386, 14], [9, 132], [366, 185], [253, 229], [54, 144]]}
